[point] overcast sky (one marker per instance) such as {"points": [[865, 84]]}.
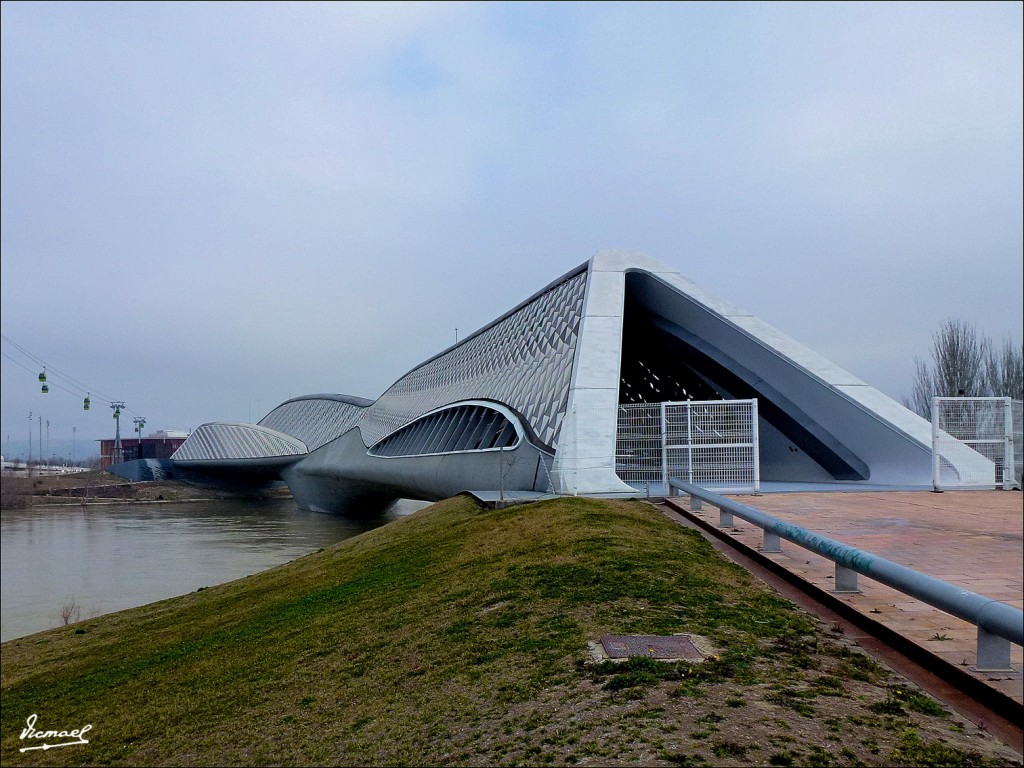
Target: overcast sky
{"points": [[208, 208]]}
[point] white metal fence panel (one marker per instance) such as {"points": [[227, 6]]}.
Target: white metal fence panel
{"points": [[976, 442], [710, 443], [1017, 430], [638, 451]]}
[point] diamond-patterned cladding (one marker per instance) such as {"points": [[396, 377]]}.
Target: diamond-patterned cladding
{"points": [[220, 441], [524, 361], [314, 420]]}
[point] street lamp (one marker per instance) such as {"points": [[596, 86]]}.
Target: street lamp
{"points": [[140, 422], [118, 454]]}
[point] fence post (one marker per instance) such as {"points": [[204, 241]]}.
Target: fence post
{"points": [[757, 447], [936, 459], [664, 447], [689, 441], [1009, 475]]}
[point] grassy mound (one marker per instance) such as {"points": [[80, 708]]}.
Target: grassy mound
{"points": [[459, 635]]}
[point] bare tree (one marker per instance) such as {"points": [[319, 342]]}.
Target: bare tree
{"points": [[921, 395], [1004, 371], [964, 364], [70, 612]]}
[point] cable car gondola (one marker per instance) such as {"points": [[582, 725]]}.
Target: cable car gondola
{"points": [[85, 404], [46, 387]]}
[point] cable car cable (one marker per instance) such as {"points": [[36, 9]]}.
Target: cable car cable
{"points": [[42, 377], [50, 370]]}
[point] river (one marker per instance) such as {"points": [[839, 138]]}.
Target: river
{"points": [[87, 561]]}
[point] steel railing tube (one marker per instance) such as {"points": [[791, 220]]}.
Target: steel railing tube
{"points": [[993, 616]]}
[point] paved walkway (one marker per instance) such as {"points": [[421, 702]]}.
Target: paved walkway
{"points": [[973, 539]]}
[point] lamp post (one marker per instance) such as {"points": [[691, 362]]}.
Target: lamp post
{"points": [[118, 454], [28, 466], [140, 422]]}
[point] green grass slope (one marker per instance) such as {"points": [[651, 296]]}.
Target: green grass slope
{"points": [[459, 635]]}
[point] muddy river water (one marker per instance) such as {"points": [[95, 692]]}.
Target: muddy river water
{"points": [[87, 561]]}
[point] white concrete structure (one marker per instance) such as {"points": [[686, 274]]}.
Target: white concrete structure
{"points": [[530, 401]]}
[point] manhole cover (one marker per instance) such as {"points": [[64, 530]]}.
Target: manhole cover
{"points": [[655, 646]]}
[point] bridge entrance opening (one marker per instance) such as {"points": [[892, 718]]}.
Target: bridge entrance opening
{"points": [[711, 443]]}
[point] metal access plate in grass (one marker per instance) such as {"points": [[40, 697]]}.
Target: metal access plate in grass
{"points": [[662, 647]]}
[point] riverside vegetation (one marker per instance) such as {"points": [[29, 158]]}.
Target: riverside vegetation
{"points": [[459, 636], [97, 487]]}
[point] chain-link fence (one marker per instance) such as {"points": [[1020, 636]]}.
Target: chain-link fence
{"points": [[976, 442]]}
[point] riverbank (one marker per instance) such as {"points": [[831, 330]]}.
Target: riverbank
{"points": [[100, 487], [465, 636], [66, 560]]}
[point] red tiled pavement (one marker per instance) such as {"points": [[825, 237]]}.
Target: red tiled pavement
{"points": [[972, 539]]}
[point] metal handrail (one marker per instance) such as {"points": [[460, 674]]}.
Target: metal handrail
{"points": [[998, 624]]}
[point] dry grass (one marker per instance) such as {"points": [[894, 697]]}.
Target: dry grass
{"points": [[96, 486], [14, 491], [459, 636]]}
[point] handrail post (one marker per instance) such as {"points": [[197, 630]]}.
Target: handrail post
{"points": [[993, 652], [846, 581], [725, 518], [772, 542]]}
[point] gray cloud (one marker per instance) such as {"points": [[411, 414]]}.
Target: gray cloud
{"points": [[209, 206]]}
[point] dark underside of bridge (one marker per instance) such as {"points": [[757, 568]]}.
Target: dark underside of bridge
{"points": [[663, 361]]}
